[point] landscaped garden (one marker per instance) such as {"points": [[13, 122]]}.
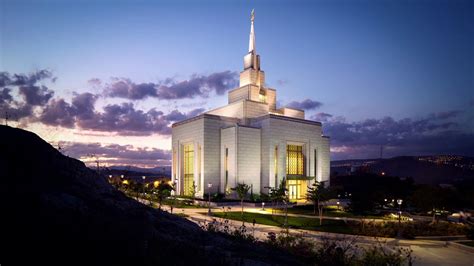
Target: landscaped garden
{"points": [[328, 211], [378, 229], [293, 222]]}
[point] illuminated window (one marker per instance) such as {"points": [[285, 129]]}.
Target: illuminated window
{"points": [[174, 163], [262, 97], [199, 168], [188, 169], [294, 160]]}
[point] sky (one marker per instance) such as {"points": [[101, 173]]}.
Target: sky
{"points": [[107, 78]]}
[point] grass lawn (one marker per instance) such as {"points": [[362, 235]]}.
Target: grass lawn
{"points": [[308, 210], [332, 226], [467, 243]]}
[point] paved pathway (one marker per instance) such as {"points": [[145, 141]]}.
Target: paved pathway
{"points": [[425, 252]]}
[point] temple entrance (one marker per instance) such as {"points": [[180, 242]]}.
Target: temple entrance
{"points": [[296, 189]]}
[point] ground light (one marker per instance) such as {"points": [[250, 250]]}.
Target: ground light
{"points": [[399, 202]]}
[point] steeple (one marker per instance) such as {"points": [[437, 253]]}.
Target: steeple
{"points": [[252, 33], [252, 60]]}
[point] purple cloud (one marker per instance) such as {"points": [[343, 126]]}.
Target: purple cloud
{"points": [[118, 154], [176, 115], [36, 95], [307, 104], [58, 113], [33, 94], [322, 117], [5, 95], [197, 85], [430, 135]]}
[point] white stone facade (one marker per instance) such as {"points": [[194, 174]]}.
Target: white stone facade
{"points": [[246, 141]]}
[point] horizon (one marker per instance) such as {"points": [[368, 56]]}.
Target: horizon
{"points": [[100, 82]]}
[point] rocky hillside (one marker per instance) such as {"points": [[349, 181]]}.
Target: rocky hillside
{"points": [[57, 211]]}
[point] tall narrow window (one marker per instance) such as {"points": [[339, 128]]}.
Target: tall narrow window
{"points": [[294, 160], [188, 169], [315, 165], [226, 169], [174, 164], [276, 166], [199, 168]]}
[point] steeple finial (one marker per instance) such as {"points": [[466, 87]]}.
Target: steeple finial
{"points": [[252, 34]]}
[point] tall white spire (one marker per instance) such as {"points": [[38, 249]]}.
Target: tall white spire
{"points": [[252, 33]]}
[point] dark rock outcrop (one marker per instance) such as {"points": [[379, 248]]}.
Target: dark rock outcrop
{"points": [[54, 210]]}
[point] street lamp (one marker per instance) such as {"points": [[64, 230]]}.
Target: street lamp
{"points": [[399, 202], [263, 206], [143, 177], [209, 186]]}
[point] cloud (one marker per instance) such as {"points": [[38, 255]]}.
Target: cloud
{"points": [[124, 119], [33, 94], [322, 117], [83, 105], [125, 88], [36, 95], [307, 104], [430, 135], [94, 82], [115, 154], [447, 115], [60, 113], [7, 79], [196, 86], [5, 95]]}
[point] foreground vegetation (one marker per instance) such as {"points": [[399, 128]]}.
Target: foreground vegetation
{"points": [[377, 229], [342, 251]]}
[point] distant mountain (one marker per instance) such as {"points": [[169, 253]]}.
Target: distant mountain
{"points": [[161, 170], [436, 169], [55, 210]]}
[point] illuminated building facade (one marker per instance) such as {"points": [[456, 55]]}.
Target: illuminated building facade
{"points": [[249, 141]]}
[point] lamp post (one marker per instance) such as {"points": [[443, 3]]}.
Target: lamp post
{"points": [[143, 177], [209, 186], [399, 202], [263, 206]]}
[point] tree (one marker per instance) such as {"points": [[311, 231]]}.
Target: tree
{"points": [[317, 193], [162, 191], [242, 190], [277, 194], [194, 190]]}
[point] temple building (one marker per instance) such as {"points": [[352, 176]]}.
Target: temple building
{"points": [[249, 141]]}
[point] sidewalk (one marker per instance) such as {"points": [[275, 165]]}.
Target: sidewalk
{"points": [[425, 252]]}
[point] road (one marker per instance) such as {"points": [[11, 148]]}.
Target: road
{"points": [[425, 252]]}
